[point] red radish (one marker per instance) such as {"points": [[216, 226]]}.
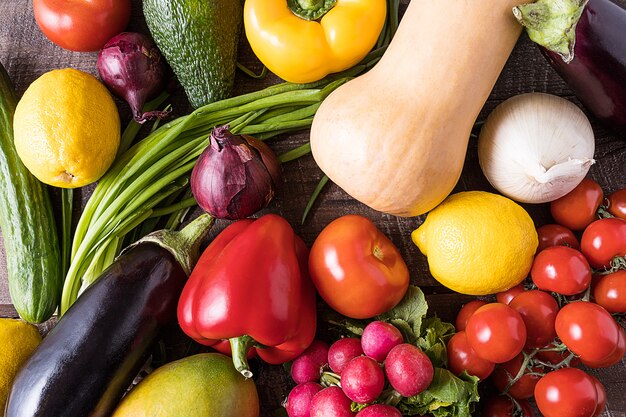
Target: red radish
{"points": [[331, 402], [308, 366], [299, 399], [466, 312], [343, 351], [379, 410], [408, 369], [362, 380], [379, 338]]}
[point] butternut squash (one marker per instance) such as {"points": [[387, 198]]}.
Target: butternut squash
{"points": [[396, 137]]}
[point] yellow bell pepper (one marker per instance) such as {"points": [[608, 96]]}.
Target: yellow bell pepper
{"points": [[301, 50]]}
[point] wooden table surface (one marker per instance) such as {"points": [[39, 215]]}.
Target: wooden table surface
{"points": [[27, 54]]}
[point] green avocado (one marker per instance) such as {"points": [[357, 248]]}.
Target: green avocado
{"points": [[204, 385], [199, 40]]}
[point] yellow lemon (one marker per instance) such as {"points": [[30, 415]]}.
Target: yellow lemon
{"points": [[478, 243], [67, 128], [18, 340]]}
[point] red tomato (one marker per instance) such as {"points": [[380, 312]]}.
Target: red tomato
{"points": [[614, 357], [496, 332], [466, 312], [356, 269], [461, 357], [588, 330], [577, 209], [538, 310], [556, 235], [505, 297], [81, 25], [502, 406], [617, 203], [567, 392], [601, 396], [505, 372], [603, 240], [561, 269], [610, 291]]}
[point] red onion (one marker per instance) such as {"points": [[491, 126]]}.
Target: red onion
{"points": [[235, 176], [132, 67]]}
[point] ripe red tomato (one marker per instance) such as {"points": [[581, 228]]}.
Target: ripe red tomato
{"points": [[556, 235], [466, 312], [356, 269], [567, 392], [601, 396], [617, 203], [81, 25], [588, 330], [505, 297], [610, 291], [561, 269], [577, 209], [614, 357], [603, 240], [505, 372], [496, 332], [502, 406], [538, 310], [461, 357]]}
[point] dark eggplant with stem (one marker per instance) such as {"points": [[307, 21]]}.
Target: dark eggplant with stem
{"points": [[585, 42], [91, 356]]}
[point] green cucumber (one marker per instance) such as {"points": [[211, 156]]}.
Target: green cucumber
{"points": [[199, 40], [28, 229]]}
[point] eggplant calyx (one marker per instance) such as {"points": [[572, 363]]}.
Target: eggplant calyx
{"points": [[184, 245], [240, 346], [552, 24]]}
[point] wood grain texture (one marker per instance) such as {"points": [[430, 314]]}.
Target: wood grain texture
{"points": [[27, 54]]}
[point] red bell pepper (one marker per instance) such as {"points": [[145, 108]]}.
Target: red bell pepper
{"points": [[251, 290]]}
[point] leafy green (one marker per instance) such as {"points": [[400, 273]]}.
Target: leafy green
{"points": [[447, 396], [433, 339], [408, 314]]}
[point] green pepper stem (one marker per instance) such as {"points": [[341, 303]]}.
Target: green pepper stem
{"points": [[310, 9], [240, 346]]}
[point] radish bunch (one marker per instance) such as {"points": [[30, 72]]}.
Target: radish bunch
{"points": [[373, 372]]}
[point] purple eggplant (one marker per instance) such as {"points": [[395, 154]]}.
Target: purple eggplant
{"points": [[596, 50]]}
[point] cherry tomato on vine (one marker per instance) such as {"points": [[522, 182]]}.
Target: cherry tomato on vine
{"points": [[502, 406], [588, 330], [577, 209], [555, 357], [567, 392], [538, 310], [556, 235], [610, 291], [505, 297], [561, 269], [617, 203], [466, 312], [614, 357], [356, 269], [461, 357], [496, 332], [505, 372], [601, 396], [603, 240], [81, 25]]}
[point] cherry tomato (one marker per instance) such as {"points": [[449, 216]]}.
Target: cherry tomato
{"points": [[496, 332], [505, 372], [601, 396], [502, 406], [610, 291], [505, 297], [614, 357], [461, 357], [577, 209], [617, 203], [556, 235], [538, 310], [356, 269], [567, 392], [561, 269], [588, 330], [603, 240], [466, 312], [81, 25]]}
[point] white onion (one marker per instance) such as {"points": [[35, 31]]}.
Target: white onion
{"points": [[536, 147]]}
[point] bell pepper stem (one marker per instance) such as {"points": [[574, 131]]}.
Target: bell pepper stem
{"points": [[310, 9], [240, 346]]}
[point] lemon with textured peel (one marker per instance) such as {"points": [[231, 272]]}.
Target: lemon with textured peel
{"points": [[18, 340], [67, 128], [477, 242]]}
